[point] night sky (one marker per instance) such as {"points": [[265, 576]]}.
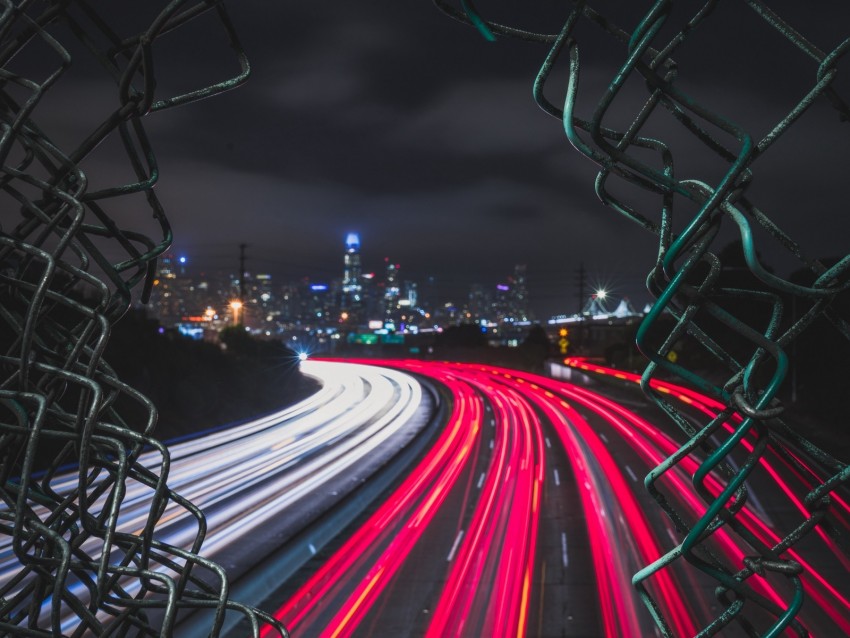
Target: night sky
{"points": [[394, 121]]}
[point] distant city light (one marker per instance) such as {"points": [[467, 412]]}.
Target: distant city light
{"points": [[352, 242], [236, 306], [315, 306]]}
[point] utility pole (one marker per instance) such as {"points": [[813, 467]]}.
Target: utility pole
{"points": [[580, 282], [242, 248]]}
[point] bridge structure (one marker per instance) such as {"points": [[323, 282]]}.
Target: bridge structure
{"points": [[596, 309]]}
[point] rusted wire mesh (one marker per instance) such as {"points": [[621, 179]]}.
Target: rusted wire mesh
{"points": [[70, 255], [686, 279]]}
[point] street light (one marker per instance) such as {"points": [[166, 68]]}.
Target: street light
{"points": [[235, 306]]}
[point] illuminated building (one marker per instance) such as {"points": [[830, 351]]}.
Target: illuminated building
{"points": [[519, 295], [173, 295], [316, 304], [411, 295], [391, 290], [479, 304], [261, 300], [352, 287]]}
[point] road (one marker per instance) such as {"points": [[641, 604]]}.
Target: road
{"points": [[521, 513], [261, 482], [528, 517]]}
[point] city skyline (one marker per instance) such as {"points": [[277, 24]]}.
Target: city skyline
{"points": [[550, 294], [349, 301]]}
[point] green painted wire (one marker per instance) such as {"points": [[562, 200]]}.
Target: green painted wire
{"points": [[60, 292], [682, 259]]}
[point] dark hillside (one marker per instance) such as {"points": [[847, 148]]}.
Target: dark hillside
{"points": [[196, 385]]}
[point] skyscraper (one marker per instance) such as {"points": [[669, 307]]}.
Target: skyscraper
{"points": [[352, 286], [172, 296], [391, 290], [519, 295]]}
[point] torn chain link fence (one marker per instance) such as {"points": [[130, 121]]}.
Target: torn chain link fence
{"points": [[686, 279], [70, 257]]}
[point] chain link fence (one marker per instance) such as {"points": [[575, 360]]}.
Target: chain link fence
{"points": [[687, 277], [70, 256]]}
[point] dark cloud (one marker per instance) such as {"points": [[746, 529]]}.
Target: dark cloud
{"points": [[395, 121], [479, 119]]}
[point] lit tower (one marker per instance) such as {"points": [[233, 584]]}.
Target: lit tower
{"points": [[173, 295], [391, 290], [352, 287], [519, 294]]}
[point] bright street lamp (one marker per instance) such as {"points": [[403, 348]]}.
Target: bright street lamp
{"points": [[235, 306]]}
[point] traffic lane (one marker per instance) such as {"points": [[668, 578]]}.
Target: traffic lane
{"points": [[620, 537], [790, 470], [409, 603], [490, 580], [564, 600], [406, 513], [830, 610]]}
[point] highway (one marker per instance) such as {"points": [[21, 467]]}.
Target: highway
{"points": [[528, 517], [522, 512], [260, 482]]}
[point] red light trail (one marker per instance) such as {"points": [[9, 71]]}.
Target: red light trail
{"points": [[496, 563]]}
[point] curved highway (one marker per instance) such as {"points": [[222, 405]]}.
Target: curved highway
{"points": [[260, 482], [525, 515], [528, 517]]}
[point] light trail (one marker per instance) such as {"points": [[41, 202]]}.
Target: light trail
{"points": [[599, 473], [248, 476], [633, 430], [830, 601], [711, 408], [396, 525], [489, 584], [621, 537], [484, 487], [481, 578]]}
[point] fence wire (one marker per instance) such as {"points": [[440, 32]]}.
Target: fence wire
{"points": [[687, 284], [69, 257]]}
